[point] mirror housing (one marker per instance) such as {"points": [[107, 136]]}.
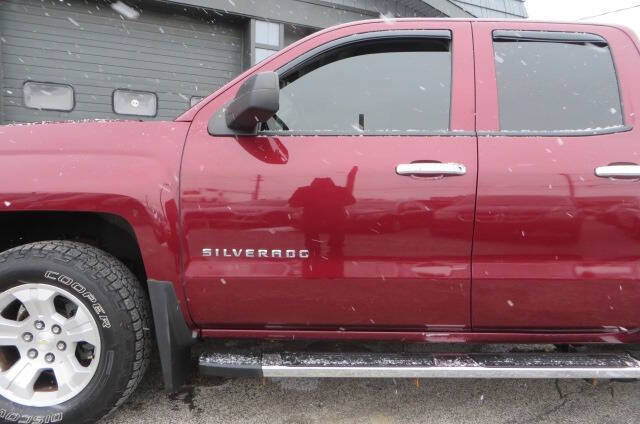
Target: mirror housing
{"points": [[257, 100]]}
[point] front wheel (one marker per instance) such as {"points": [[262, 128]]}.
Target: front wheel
{"points": [[74, 333]]}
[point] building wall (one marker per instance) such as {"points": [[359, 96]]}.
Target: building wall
{"points": [[510, 9], [178, 50], [394, 8], [324, 13]]}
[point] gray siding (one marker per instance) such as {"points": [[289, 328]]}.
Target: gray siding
{"points": [[293, 33], [87, 45], [395, 8], [494, 8], [325, 13]]}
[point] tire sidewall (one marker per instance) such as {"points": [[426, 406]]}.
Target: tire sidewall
{"points": [[117, 340]]}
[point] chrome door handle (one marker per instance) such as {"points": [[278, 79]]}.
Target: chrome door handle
{"points": [[618, 171], [433, 169]]}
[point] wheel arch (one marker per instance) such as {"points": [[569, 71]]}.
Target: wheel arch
{"points": [[105, 231], [114, 234]]}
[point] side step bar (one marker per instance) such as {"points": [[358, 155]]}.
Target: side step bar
{"points": [[431, 365]]}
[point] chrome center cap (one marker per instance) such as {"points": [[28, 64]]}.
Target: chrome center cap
{"points": [[44, 340]]}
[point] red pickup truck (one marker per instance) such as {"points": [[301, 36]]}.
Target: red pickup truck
{"points": [[408, 181]]}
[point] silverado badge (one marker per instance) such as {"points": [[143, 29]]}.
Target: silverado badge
{"points": [[256, 253]]}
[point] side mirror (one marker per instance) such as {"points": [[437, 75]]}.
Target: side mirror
{"points": [[257, 100]]}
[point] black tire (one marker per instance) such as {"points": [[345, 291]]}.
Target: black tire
{"points": [[124, 335]]}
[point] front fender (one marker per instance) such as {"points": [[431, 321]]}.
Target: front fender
{"points": [[128, 169]]}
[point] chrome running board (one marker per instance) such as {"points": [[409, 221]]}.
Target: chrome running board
{"points": [[424, 365]]}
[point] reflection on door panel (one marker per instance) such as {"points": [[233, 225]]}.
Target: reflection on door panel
{"points": [[378, 252]]}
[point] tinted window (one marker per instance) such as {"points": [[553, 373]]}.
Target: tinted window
{"points": [[382, 86], [41, 95], [556, 86], [195, 100], [126, 102]]}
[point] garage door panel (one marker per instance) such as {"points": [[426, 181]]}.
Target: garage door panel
{"points": [[27, 39], [104, 79], [211, 43], [105, 21], [141, 61], [163, 51], [183, 92], [102, 103]]}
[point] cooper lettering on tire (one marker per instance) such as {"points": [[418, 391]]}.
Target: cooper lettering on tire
{"points": [[68, 281], [68, 313]]}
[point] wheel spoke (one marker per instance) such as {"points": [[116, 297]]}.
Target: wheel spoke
{"points": [[80, 328], [5, 301], [10, 332], [20, 378], [38, 301], [70, 374]]}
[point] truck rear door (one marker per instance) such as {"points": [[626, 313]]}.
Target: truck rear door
{"points": [[353, 208], [557, 237]]}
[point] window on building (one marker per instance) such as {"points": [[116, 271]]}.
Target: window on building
{"points": [[400, 85], [267, 39], [556, 85], [141, 103], [268, 33], [262, 54], [48, 96], [195, 100]]}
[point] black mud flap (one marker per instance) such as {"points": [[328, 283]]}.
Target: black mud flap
{"points": [[172, 334]]}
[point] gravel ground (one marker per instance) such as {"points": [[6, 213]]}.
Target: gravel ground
{"points": [[252, 400]]}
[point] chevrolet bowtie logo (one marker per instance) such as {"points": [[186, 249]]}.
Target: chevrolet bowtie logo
{"points": [[256, 253]]}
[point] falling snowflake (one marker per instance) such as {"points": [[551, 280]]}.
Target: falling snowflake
{"points": [[387, 18], [125, 10]]}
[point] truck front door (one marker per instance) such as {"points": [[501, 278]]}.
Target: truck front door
{"points": [[353, 207]]}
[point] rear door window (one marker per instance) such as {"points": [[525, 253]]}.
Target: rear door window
{"points": [[555, 82]]}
